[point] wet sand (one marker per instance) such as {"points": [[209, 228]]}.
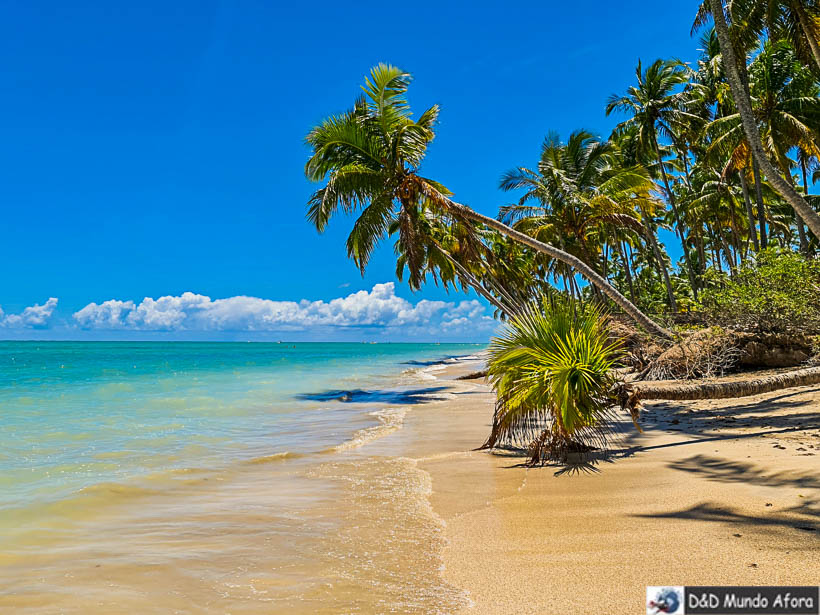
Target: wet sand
{"points": [[714, 493]]}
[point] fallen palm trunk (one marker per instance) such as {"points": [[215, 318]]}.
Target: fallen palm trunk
{"points": [[632, 393]]}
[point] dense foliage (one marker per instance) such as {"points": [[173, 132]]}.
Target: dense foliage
{"points": [[680, 160], [777, 292]]}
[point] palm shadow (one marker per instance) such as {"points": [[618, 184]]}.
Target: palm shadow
{"points": [[713, 513], [725, 471], [728, 420], [381, 396]]}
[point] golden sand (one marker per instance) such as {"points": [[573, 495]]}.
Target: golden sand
{"points": [[715, 493]]}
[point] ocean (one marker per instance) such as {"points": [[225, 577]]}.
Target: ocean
{"points": [[214, 477]]}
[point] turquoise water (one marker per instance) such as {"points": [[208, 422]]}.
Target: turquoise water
{"points": [[73, 415]]}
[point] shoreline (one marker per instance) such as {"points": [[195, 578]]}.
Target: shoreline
{"points": [[406, 516], [722, 492]]}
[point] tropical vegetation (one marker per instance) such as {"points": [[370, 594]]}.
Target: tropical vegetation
{"points": [[553, 371], [721, 155]]}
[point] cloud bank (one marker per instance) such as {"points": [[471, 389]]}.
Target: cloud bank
{"points": [[377, 308], [33, 317]]}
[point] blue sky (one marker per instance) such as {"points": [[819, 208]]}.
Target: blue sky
{"points": [[156, 148]]}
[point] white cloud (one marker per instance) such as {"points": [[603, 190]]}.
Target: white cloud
{"points": [[33, 317], [379, 307]]}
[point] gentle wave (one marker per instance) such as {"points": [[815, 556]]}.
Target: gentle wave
{"points": [[390, 419], [283, 456]]}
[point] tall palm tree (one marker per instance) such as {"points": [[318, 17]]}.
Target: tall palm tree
{"points": [[657, 108], [741, 96], [712, 92], [369, 159]]}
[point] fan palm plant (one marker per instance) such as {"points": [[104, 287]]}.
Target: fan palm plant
{"points": [[552, 369], [369, 159]]}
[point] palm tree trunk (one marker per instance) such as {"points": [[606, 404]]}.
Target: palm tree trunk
{"points": [[744, 107], [656, 251], [627, 272], [750, 216], [798, 222], [701, 251], [807, 31], [631, 394], [729, 260], [475, 284], [678, 223], [714, 246], [568, 259], [805, 192], [801, 233], [761, 208], [734, 234]]}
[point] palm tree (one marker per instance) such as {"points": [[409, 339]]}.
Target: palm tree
{"points": [[580, 183], [552, 368], [742, 100], [657, 106], [714, 96], [453, 256], [796, 21], [787, 108], [369, 158]]}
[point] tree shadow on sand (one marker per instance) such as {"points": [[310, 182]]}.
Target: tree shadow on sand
{"points": [[725, 471], [569, 468], [727, 420], [381, 396], [803, 518]]}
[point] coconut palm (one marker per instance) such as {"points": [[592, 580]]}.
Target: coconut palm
{"points": [[796, 21], [657, 105], [787, 108], [552, 369], [741, 95], [576, 184], [454, 257], [369, 159]]}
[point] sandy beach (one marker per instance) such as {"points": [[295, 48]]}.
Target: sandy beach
{"points": [[713, 493], [406, 516]]}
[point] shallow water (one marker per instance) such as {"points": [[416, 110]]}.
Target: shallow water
{"points": [[215, 478]]}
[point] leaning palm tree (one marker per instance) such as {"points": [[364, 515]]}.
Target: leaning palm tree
{"points": [[740, 93], [787, 108], [369, 159]]}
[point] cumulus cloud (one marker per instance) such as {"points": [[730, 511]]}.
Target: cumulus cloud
{"points": [[33, 317], [379, 307]]}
